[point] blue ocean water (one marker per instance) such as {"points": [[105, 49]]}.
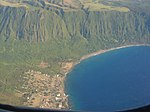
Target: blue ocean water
{"points": [[115, 80]]}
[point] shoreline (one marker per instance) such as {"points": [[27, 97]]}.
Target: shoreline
{"points": [[49, 91], [101, 52], [107, 50], [95, 54]]}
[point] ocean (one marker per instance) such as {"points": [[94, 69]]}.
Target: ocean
{"points": [[115, 80]]}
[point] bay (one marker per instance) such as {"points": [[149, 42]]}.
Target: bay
{"points": [[115, 80]]}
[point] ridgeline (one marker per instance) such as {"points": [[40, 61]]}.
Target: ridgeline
{"points": [[61, 31]]}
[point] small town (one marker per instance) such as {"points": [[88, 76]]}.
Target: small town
{"points": [[44, 91]]}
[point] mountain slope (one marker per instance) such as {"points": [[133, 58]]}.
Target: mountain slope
{"points": [[58, 31]]}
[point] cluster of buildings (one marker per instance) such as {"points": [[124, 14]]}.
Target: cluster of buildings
{"points": [[44, 91]]}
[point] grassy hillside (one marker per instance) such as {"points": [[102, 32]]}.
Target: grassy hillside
{"points": [[65, 5], [97, 5], [56, 31], [133, 5]]}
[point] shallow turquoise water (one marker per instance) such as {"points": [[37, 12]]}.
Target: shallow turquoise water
{"points": [[116, 80]]}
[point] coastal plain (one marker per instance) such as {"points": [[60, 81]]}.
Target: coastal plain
{"points": [[42, 40]]}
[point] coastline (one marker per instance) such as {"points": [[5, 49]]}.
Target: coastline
{"points": [[101, 52], [94, 54], [107, 50], [49, 91]]}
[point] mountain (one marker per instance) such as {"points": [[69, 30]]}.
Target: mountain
{"points": [[55, 31], [42, 20]]}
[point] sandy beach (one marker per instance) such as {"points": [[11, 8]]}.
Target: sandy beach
{"points": [[45, 91], [103, 51], [94, 54]]}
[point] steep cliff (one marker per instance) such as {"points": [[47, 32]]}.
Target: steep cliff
{"points": [[100, 26], [58, 31]]}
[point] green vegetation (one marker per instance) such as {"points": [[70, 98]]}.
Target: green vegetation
{"points": [[97, 5], [53, 35], [5, 3], [133, 5]]}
